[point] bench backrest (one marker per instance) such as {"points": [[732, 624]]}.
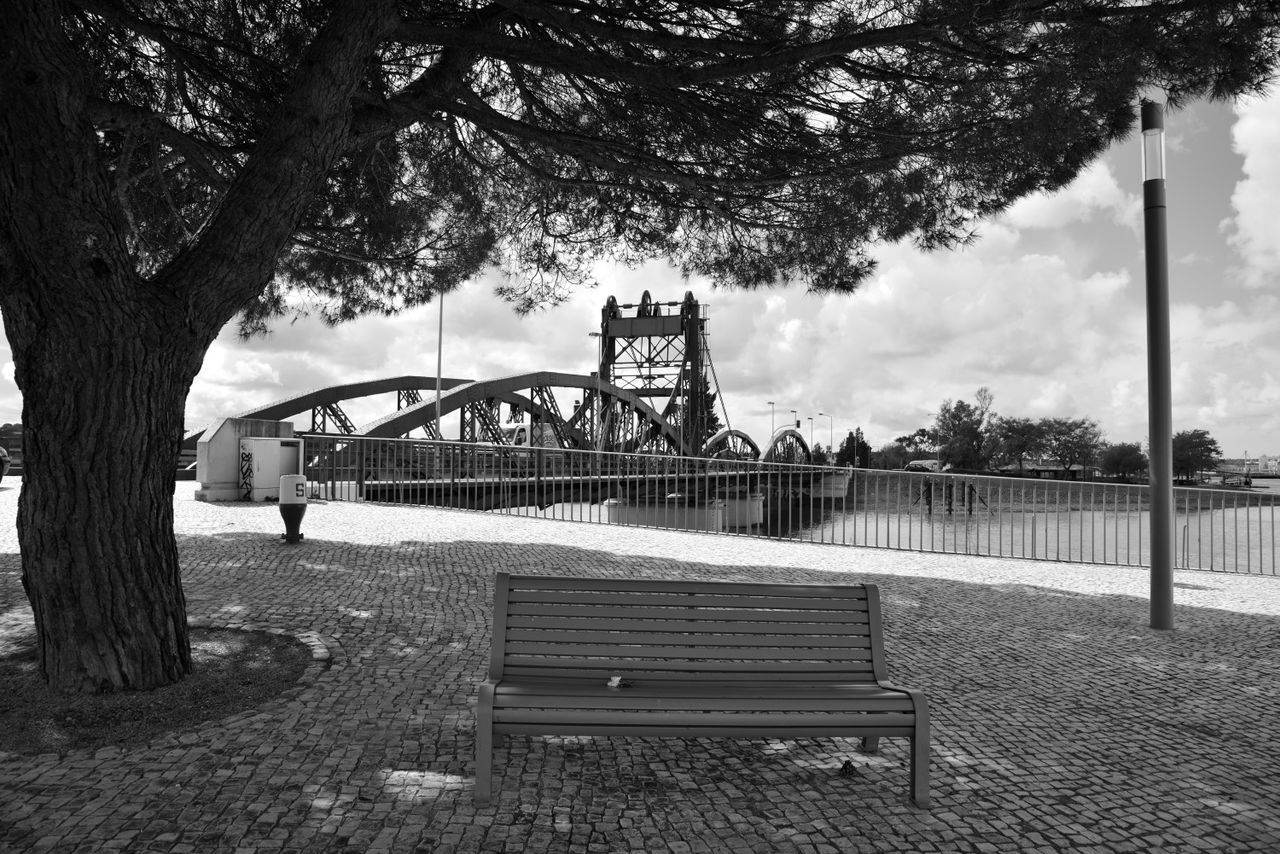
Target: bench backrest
{"points": [[699, 630]]}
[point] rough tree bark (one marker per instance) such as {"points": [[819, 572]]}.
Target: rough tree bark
{"points": [[95, 518], [104, 357]]}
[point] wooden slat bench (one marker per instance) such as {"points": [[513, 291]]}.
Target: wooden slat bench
{"points": [[694, 659]]}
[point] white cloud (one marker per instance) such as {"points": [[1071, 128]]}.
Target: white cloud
{"points": [[1094, 191], [1256, 136], [1052, 400], [1127, 393], [1224, 376]]}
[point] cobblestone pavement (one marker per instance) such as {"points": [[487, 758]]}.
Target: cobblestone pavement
{"points": [[1060, 721]]}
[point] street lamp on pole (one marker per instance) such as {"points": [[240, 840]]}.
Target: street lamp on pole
{"points": [[831, 430], [794, 421], [1160, 386], [772, 425], [811, 432]]}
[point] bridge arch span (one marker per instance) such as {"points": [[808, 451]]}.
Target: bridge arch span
{"points": [[731, 444], [787, 445], [633, 425], [330, 396]]}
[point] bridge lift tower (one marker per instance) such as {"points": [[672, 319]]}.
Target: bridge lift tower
{"points": [[657, 351]]}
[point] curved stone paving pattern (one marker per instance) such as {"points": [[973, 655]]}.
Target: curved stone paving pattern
{"points": [[1061, 722]]}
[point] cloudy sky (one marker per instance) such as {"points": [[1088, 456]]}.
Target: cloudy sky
{"points": [[1045, 308]]}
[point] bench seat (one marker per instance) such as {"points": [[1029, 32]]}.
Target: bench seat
{"points": [[693, 659], [565, 706]]}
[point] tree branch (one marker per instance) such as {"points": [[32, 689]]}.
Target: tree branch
{"points": [[201, 153], [235, 254]]}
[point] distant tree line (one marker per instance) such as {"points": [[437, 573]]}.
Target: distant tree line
{"points": [[973, 437]]}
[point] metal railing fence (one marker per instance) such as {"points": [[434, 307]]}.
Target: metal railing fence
{"points": [[1097, 522]]}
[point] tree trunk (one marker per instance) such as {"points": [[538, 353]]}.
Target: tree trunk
{"points": [[102, 412]]}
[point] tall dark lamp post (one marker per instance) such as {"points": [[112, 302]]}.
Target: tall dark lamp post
{"points": [[1159, 384]]}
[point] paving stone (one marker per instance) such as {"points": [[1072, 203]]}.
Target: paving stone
{"points": [[1060, 721]]}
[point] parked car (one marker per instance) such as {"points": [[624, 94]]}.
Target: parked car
{"points": [[923, 465], [4, 462]]}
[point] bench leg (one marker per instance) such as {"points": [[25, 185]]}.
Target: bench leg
{"points": [[920, 752], [920, 771], [869, 744], [484, 746]]}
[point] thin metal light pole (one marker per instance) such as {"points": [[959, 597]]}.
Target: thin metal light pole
{"points": [[1159, 384], [831, 429], [772, 425]]}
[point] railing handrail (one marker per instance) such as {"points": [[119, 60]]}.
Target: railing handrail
{"points": [[1095, 521]]}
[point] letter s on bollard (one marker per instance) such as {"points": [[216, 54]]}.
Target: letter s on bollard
{"points": [[293, 505]]}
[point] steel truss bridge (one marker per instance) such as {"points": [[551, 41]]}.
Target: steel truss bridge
{"points": [[654, 393]]}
